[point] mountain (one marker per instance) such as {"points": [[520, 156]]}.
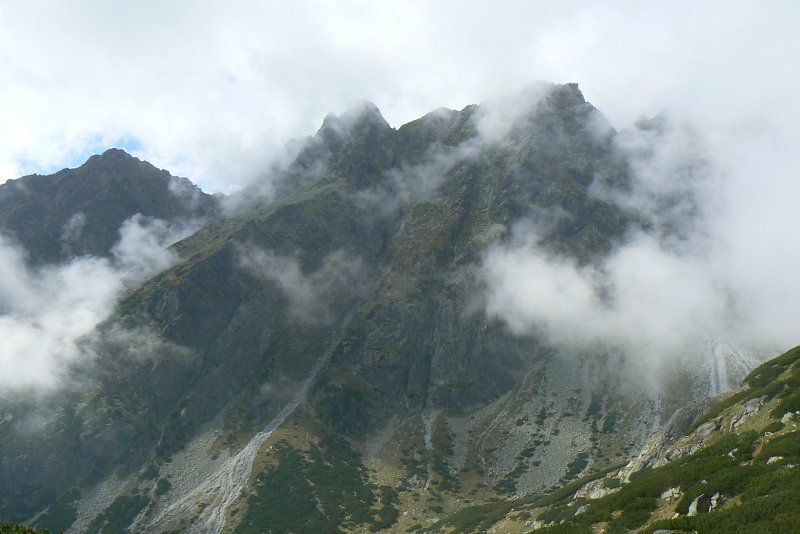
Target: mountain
{"points": [[724, 465], [321, 360], [79, 211]]}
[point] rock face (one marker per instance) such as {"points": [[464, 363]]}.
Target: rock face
{"points": [[79, 211], [352, 297], [749, 408]]}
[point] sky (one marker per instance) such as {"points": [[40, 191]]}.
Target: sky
{"points": [[213, 91]]}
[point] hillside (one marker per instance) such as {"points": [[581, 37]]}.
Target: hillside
{"points": [[322, 360], [734, 469]]}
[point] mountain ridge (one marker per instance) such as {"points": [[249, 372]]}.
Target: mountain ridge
{"points": [[351, 295]]}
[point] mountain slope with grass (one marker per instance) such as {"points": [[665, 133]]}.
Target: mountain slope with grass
{"points": [[733, 469]]}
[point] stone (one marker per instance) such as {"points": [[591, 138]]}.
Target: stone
{"points": [[716, 500], [705, 430], [693, 507], [745, 412], [672, 494], [594, 490]]}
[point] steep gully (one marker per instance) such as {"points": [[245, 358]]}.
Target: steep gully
{"points": [[222, 488]]}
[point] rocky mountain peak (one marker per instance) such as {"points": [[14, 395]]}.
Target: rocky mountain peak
{"points": [[362, 119], [102, 193]]}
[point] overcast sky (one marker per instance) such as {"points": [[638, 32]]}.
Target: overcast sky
{"points": [[212, 90]]}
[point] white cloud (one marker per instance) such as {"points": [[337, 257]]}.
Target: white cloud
{"points": [[45, 311], [714, 260], [213, 92], [142, 249], [644, 301], [312, 297]]}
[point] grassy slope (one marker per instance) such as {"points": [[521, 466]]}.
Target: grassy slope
{"points": [[754, 468]]}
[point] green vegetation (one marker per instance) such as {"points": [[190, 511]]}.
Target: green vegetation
{"points": [[320, 490], [770, 503], [508, 484], [388, 513], [163, 486], [786, 446], [610, 422], [13, 528], [577, 465], [61, 514], [150, 473], [638, 499], [756, 471], [344, 400], [778, 377], [477, 518], [119, 515]]}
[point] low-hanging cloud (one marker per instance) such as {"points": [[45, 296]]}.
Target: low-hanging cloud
{"points": [[710, 257], [643, 300], [311, 296], [491, 121], [45, 311]]}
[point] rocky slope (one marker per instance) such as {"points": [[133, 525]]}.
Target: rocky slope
{"points": [[728, 464], [321, 360]]}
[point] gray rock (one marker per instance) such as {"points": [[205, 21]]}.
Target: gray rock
{"points": [[705, 430], [693, 508], [716, 500], [672, 494], [746, 411]]}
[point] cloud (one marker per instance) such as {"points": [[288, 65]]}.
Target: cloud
{"points": [[45, 311], [142, 249], [213, 92], [312, 297], [711, 258], [643, 300], [404, 184]]}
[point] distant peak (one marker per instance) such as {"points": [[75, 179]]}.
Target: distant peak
{"points": [[364, 114], [110, 155], [114, 154], [568, 91], [364, 108]]}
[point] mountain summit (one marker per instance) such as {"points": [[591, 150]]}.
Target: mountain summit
{"points": [[322, 359], [79, 211]]}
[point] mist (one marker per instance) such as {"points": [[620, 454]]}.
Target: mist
{"points": [[312, 297], [46, 311], [711, 258]]}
